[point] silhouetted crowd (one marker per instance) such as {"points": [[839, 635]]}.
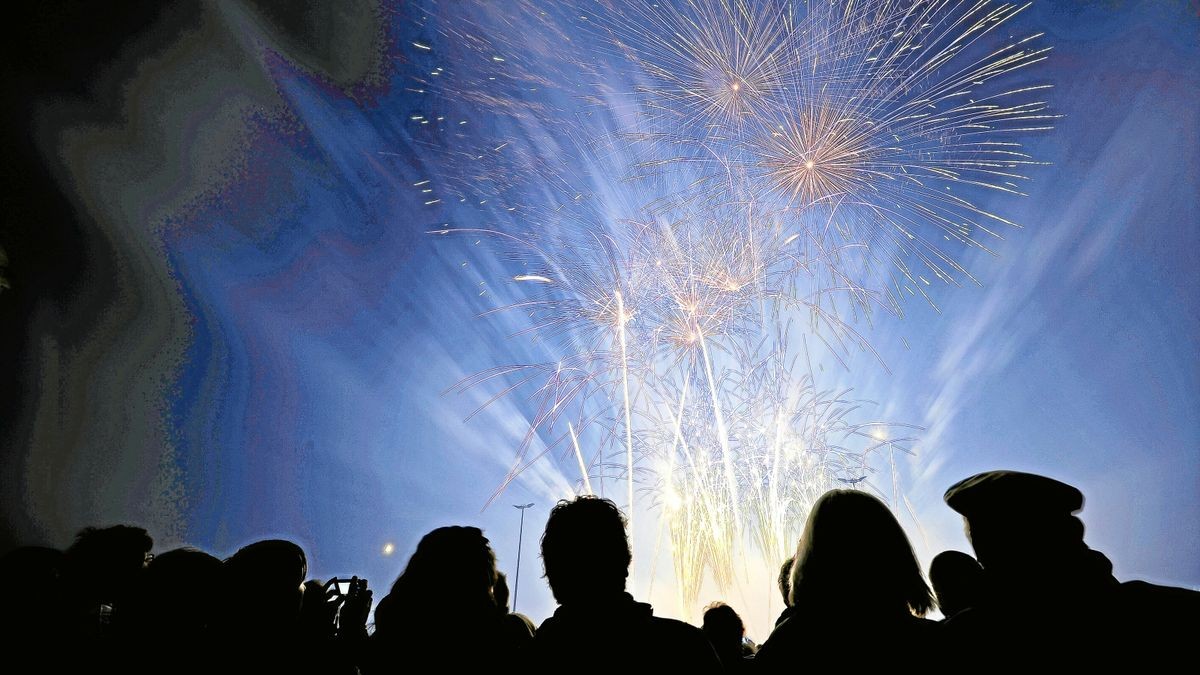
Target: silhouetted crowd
{"points": [[1033, 596]]}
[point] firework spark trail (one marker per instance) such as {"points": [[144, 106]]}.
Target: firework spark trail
{"points": [[694, 186], [583, 472], [622, 319], [722, 431]]}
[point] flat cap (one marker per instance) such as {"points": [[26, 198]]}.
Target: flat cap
{"points": [[1012, 492]]}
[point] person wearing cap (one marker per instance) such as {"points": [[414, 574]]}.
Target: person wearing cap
{"points": [[1052, 597]]}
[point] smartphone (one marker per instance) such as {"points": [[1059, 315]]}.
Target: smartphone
{"points": [[340, 587]]}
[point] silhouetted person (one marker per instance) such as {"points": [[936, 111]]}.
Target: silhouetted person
{"points": [[333, 626], [785, 588], [99, 574], [29, 607], [726, 633], [500, 591], [519, 623], [441, 614], [177, 602], [262, 594], [785, 580], [1051, 598], [857, 592], [598, 627], [957, 581]]}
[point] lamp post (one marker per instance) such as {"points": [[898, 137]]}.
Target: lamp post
{"points": [[520, 536]]}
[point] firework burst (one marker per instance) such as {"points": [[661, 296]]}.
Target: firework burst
{"points": [[711, 187]]}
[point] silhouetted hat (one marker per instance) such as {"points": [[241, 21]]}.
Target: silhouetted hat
{"points": [[1012, 492]]}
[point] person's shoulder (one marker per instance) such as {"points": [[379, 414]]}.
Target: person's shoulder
{"points": [[787, 623], [518, 626], [919, 623], [675, 628], [923, 630], [1149, 590], [684, 643], [666, 631], [969, 616], [1142, 596], [549, 628]]}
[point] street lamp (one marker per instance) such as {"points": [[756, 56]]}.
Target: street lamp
{"points": [[520, 536]]}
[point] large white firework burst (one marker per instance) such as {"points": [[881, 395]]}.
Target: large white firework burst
{"points": [[690, 194]]}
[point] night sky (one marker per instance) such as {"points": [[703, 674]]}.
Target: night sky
{"points": [[225, 318]]}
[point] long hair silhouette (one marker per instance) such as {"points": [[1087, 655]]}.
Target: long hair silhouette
{"points": [[854, 557]]}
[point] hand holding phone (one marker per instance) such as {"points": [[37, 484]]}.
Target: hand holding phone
{"points": [[352, 620], [337, 589]]}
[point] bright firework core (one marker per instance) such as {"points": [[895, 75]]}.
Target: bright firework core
{"points": [[770, 179]]}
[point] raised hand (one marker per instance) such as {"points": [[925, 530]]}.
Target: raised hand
{"points": [[353, 617]]}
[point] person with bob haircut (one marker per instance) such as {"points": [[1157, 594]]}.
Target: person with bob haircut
{"points": [[441, 614], [857, 592]]}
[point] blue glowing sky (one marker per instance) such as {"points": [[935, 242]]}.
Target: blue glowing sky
{"points": [[325, 323]]}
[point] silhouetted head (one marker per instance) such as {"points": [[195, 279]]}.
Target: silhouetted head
{"points": [[585, 551], [723, 627], [1021, 525], [854, 558], [785, 580], [103, 564], [957, 581], [500, 592], [265, 581], [179, 592], [387, 615], [452, 572]]}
